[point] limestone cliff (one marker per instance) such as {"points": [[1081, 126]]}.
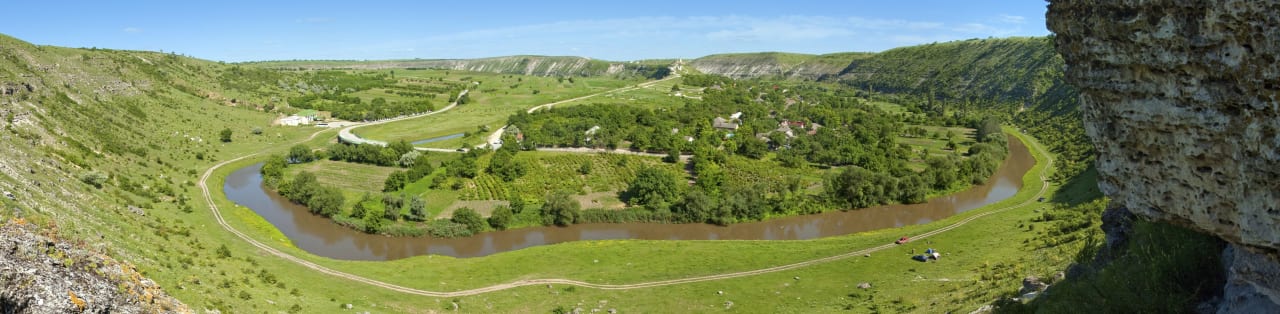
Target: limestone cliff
{"points": [[1182, 102], [523, 65], [775, 65]]}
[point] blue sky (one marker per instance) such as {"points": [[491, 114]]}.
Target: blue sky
{"points": [[611, 30]]}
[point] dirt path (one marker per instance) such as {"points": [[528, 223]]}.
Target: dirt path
{"points": [[530, 282]]}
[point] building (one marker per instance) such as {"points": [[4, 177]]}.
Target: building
{"points": [[294, 120], [722, 123]]}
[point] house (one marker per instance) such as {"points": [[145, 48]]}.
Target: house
{"points": [[294, 120], [785, 128], [813, 128], [722, 123]]}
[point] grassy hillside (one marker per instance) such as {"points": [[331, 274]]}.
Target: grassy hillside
{"points": [[104, 146]]}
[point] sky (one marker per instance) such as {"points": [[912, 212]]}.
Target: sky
{"points": [[235, 31]]}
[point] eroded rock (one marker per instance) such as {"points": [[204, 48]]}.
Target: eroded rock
{"points": [[1181, 98]]}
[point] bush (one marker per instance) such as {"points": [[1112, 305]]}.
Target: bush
{"points": [[443, 228], [470, 218], [94, 178], [501, 218], [224, 252]]}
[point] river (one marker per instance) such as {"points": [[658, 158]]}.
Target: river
{"points": [[322, 237]]}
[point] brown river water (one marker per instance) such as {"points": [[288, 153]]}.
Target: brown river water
{"points": [[322, 237]]}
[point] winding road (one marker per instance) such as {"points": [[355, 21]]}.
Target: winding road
{"points": [[217, 213]]}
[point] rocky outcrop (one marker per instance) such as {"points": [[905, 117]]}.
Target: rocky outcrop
{"points": [[774, 64], [42, 275], [1182, 102]]}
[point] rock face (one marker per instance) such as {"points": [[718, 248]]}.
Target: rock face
{"points": [[42, 275], [1182, 102]]}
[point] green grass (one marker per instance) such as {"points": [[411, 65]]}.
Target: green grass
{"points": [[980, 261], [491, 103], [937, 146], [345, 175]]}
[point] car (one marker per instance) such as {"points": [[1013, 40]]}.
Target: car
{"points": [[1040, 200], [462, 149], [902, 240]]}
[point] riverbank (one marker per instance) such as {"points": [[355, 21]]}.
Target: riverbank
{"points": [[979, 244], [321, 236]]}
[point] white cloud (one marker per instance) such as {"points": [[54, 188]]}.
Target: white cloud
{"points": [[1012, 19], [132, 30]]}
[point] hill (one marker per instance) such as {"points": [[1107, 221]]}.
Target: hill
{"points": [[776, 64], [522, 65], [102, 147]]}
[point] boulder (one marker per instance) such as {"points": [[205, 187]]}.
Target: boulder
{"points": [[1032, 284]]}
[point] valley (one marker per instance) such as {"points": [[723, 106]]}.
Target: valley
{"points": [[760, 182]]}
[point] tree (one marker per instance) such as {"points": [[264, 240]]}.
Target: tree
{"points": [[395, 181], [470, 218], [408, 160], [585, 168], [987, 129], [358, 210], [273, 170], [559, 209], [505, 167], [373, 221], [696, 206], [675, 88], [753, 148], [399, 149], [710, 176], [417, 209], [501, 217], [300, 153], [652, 186], [326, 202], [517, 203], [392, 206], [225, 135]]}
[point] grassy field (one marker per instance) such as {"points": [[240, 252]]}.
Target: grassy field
{"points": [[981, 260], [497, 97], [345, 175], [937, 146], [652, 97]]}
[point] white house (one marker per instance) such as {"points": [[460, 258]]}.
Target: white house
{"points": [[294, 120]]}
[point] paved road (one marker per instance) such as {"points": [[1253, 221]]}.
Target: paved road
{"points": [[346, 136]]}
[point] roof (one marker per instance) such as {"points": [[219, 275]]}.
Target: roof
{"points": [[721, 123]]}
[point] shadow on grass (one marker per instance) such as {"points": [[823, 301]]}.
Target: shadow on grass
{"points": [[1079, 189], [1163, 269]]}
